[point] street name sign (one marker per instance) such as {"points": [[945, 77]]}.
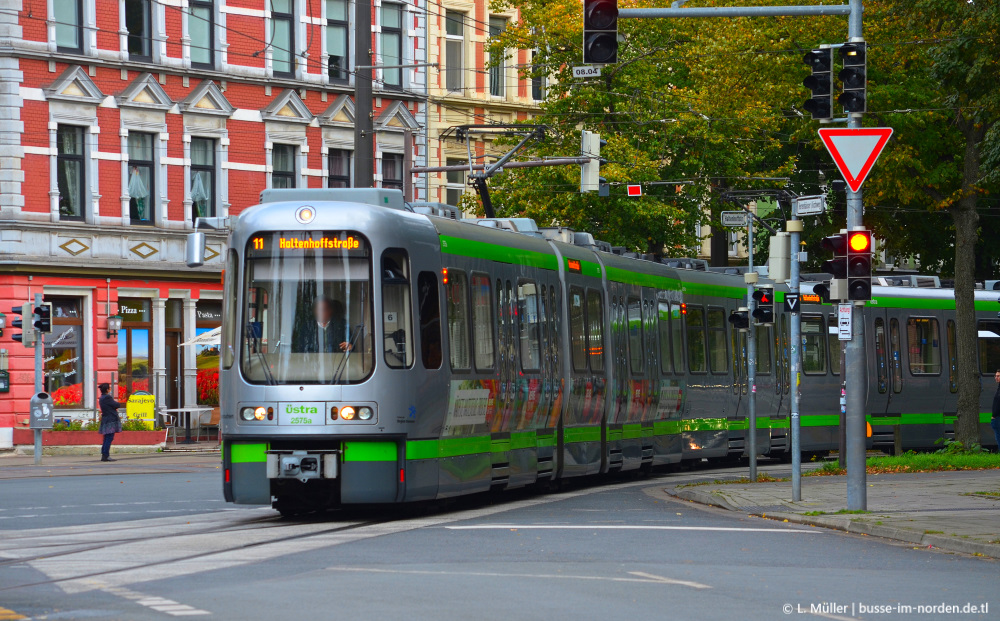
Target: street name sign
{"points": [[734, 218], [855, 151], [810, 205], [587, 71]]}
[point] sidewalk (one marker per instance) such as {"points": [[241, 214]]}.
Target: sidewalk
{"points": [[936, 509], [22, 466]]}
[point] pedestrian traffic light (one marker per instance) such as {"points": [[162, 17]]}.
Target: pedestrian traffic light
{"points": [[43, 318], [837, 266], [820, 83], [27, 338], [740, 318], [854, 77], [764, 311], [590, 173], [600, 31], [859, 265]]}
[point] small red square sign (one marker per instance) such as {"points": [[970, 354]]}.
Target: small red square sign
{"points": [[635, 190]]}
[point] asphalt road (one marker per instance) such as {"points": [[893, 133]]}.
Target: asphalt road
{"points": [[154, 546]]}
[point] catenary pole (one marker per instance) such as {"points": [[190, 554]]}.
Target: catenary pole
{"points": [[364, 144], [39, 353], [751, 437], [795, 228], [857, 495]]}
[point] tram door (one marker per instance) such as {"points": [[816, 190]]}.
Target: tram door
{"points": [[885, 377]]}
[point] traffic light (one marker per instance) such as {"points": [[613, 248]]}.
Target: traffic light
{"points": [[837, 266], [854, 77], [43, 318], [600, 31], [820, 83], [823, 291], [740, 318], [764, 312], [27, 338], [590, 173], [859, 265]]}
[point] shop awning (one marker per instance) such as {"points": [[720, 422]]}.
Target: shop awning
{"points": [[212, 337]]}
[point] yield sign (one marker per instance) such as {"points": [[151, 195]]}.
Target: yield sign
{"points": [[854, 151]]}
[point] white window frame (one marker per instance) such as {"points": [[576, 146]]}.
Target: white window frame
{"points": [[460, 40]]}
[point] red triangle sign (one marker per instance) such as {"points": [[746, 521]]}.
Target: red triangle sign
{"points": [[855, 151]]}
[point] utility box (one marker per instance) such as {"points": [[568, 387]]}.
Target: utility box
{"points": [[42, 411]]}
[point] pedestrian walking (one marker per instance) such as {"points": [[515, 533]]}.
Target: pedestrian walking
{"points": [[111, 422]]}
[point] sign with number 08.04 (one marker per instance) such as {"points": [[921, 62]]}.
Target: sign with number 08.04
{"points": [[587, 71]]}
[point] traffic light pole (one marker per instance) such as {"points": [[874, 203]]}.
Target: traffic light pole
{"points": [[795, 336], [39, 353], [751, 439], [854, 371]]}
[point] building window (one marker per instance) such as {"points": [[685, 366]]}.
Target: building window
{"points": [[392, 171], [456, 183], [391, 44], [69, 25], [498, 71], [138, 22], [141, 181], [283, 166], [339, 168], [71, 173], [338, 39], [537, 81], [454, 50], [202, 178], [64, 353], [201, 29], [282, 37]]}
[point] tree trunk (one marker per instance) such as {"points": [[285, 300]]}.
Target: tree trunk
{"points": [[966, 220]]}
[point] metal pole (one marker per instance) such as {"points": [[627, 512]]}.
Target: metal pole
{"points": [[746, 11], [751, 441], [364, 143], [39, 352], [855, 357], [555, 161], [795, 336]]}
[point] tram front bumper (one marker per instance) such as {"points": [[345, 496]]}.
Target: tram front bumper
{"points": [[303, 465]]}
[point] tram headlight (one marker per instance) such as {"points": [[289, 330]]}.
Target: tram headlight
{"points": [[347, 412], [365, 413], [246, 413], [260, 413]]}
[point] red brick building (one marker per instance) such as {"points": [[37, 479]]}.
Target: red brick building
{"points": [[123, 120]]}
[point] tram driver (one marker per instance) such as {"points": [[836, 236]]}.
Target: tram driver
{"points": [[326, 333]]}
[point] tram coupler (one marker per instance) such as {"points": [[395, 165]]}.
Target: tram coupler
{"points": [[303, 465]]}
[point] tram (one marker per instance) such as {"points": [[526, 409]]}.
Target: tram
{"points": [[380, 352]]}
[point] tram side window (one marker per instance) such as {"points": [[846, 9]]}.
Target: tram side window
{"points": [[895, 356], [577, 330], [527, 325], [922, 339], [458, 321], [677, 336], [718, 353], [595, 330], [695, 321], [430, 320], [482, 321], [663, 328], [397, 321], [763, 345], [633, 319], [230, 302], [814, 341], [952, 357], [880, 359], [989, 347], [834, 341]]}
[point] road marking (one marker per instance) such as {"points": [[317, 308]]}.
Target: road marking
{"points": [[159, 604], [834, 617], [665, 580], [627, 527], [640, 577], [7, 614]]}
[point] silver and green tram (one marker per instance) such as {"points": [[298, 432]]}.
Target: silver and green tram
{"points": [[375, 354]]}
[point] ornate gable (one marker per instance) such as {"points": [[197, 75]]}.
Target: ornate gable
{"points": [[287, 108], [206, 98], [340, 112], [396, 117], [74, 85], [145, 92]]}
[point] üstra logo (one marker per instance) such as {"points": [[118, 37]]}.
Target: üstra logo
{"points": [[301, 409]]}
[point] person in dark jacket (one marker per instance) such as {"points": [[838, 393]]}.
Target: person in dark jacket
{"points": [[325, 333], [995, 421], [111, 422]]}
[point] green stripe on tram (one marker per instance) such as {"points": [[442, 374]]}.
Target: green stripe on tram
{"points": [[582, 434], [247, 453], [495, 252], [370, 451]]}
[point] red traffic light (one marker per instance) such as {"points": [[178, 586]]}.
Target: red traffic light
{"points": [[860, 241]]}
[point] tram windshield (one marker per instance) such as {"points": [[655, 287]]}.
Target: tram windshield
{"points": [[307, 308]]}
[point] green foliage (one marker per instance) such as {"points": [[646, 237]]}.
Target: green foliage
{"points": [[954, 447], [933, 462], [76, 425]]}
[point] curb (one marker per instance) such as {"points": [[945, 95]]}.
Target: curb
{"points": [[87, 450], [849, 525]]}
